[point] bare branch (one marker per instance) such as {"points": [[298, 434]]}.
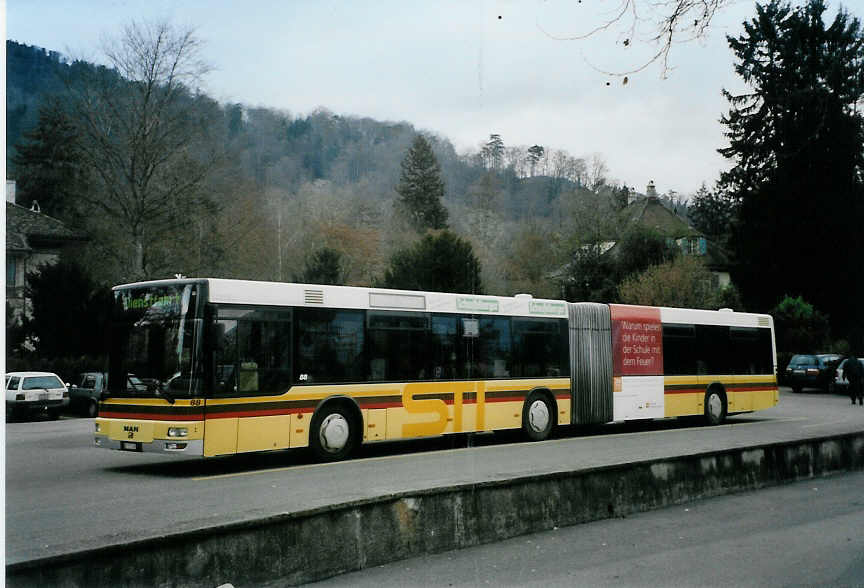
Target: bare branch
{"points": [[669, 22]]}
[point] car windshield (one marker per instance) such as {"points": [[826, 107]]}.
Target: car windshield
{"points": [[154, 337], [41, 382]]}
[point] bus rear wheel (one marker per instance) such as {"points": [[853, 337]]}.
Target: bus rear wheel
{"points": [[715, 406], [332, 434], [537, 417]]}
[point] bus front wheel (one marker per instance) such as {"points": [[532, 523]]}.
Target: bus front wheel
{"points": [[332, 434], [715, 406], [537, 417]]}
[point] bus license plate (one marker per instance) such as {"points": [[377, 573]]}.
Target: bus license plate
{"points": [[130, 446]]}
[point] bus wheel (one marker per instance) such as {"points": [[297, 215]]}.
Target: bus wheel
{"points": [[715, 406], [332, 436], [537, 415]]}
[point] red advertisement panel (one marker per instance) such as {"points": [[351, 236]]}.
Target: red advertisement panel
{"points": [[637, 341]]}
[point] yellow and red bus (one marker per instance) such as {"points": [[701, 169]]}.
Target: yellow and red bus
{"points": [[234, 366]]}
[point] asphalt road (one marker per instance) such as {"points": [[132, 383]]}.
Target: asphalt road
{"points": [[63, 495], [809, 533]]}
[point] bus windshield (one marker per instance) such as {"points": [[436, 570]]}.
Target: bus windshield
{"points": [[154, 337]]}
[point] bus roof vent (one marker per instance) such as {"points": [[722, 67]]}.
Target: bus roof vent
{"points": [[523, 297], [764, 321], [314, 296]]}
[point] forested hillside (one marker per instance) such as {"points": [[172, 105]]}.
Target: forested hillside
{"points": [[279, 186]]}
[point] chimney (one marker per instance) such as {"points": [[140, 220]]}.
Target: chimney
{"points": [[10, 191]]}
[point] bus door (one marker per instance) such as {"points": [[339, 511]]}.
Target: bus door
{"points": [[220, 429]]}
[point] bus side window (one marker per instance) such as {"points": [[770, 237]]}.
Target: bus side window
{"points": [[444, 349], [328, 346], [494, 348], [397, 345]]}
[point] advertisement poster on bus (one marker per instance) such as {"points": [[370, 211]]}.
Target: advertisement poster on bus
{"points": [[637, 341]]}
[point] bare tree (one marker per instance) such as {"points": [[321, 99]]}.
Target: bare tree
{"points": [[139, 128], [597, 172], [667, 22]]}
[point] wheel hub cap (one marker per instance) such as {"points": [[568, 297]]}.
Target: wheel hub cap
{"points": [[538, 416], [715, 405], [334, 433]]}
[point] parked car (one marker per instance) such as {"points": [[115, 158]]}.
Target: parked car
{"points": [[812, 371], [29, 393], [841, 384], [85, 396]]}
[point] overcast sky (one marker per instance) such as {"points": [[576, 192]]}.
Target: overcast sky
{"points": [[461, 69]]}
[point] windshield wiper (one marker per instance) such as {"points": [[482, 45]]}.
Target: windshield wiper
{"points": [[160, 391]]}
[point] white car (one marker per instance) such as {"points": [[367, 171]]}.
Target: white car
{"points": [[35, 392], [841, 384]]}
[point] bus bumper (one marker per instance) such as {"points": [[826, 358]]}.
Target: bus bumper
{"points": [[188, 447], [176, 437]]}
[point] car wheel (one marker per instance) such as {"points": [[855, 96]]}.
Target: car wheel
{"points": [[53, 414], [92, 408], [333, 433], [715, 406], [538, 416]]}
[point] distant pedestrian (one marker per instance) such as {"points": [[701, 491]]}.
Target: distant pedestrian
{"points": [[854, 373]]}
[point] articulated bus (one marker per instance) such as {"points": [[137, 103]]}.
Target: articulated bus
{"points": [[236, 366]]}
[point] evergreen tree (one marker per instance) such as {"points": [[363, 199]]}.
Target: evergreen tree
{"points": [[48, 163], [799, 326], [639, 249], [712, 213], [323, 267], [535, 154], [440, 263], [796, 141], [493, 151], [421, 188], [69, 311]]}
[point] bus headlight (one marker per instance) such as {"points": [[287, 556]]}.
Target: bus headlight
{"points": [[178, 431]]}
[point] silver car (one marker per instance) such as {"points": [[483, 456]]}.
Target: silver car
{"points": [[30, 393]]}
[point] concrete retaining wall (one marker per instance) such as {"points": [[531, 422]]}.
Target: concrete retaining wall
{"points": [[311, 545]]}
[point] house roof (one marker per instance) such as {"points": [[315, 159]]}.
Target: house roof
{"points": [[650, 213], [27, 230]]}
